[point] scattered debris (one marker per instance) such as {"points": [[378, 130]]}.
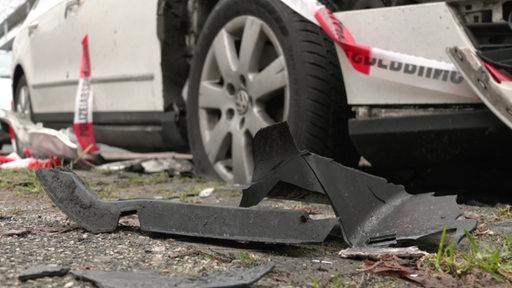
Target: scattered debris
{"points": [[176, 166], [322, 261], [46, 143], [20, 124], [43, 147], [370, 210], [120, 155], [376, 253], [41, 271], [239, 277], [46, 148]]}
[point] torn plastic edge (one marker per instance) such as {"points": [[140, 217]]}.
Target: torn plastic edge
{"points": [[371, 211], [81, 205], [495, 95]]}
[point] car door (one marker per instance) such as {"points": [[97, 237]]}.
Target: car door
{"points": [[125, 59], [54, 31]]}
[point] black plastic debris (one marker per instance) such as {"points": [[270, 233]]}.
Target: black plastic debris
{"points": [[81, 205], [41, 271], [371, 211], [239, 277]]}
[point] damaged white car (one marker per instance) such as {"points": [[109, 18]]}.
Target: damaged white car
{"points": [[373, 79], [5, 91]]}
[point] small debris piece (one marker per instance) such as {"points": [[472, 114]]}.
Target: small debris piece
{"points": [[240, 277], [130, 221], [45, 143], [177, 166], [15, 233], [321, 261], [120, 155], [41, 271], [206, 192], [381, 252], [118, 166], [159, 165]]}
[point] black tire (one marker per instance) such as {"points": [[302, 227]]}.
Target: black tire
{"points": [[20, 106], [318, 111]]}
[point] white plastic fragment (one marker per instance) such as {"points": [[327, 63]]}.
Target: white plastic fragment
{"points": [[206, 192]]}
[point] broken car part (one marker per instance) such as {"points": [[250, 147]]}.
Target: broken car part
{"points": [[371, 211], [81, 205], [21, 125], [41, 271], [41, 142], [494, 89]]}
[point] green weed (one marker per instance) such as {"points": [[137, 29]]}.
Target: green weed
{"points": [[494, 259], [336, 281], [505, 212], [247, 259], [20, 181], [315, 283]]}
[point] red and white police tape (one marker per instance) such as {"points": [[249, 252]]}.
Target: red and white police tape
{"points": [[392, 66], [83, 124]]}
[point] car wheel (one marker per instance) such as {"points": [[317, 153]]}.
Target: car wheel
{"points": [[258, 63], [22, 105], [22, 102]]}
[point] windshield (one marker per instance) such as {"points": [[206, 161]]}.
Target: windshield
{"points": [[5, 64]]}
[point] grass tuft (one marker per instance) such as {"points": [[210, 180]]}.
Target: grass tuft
{"points": [[494, 259]]}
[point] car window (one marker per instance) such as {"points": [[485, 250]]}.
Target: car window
{"points": [[5, 65]]}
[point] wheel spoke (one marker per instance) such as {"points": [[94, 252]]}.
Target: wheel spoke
{"points": [[22, 101], [257, 120], [212, 96], [242, 158], [218, 143], [252, 44], [272, 78], [226, 55]]}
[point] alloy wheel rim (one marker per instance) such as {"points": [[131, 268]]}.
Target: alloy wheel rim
{"points": [[23, 103], [244, 87]]}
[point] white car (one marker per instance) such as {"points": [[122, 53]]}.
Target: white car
{"points": [[5, 80], [215, 72], [5, 90]]}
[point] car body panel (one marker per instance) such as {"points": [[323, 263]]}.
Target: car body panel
{"points": [[119, 46], [496, 94], [51, 70], [127, 70], [5, 80], [125, 55], [392, 29]]}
